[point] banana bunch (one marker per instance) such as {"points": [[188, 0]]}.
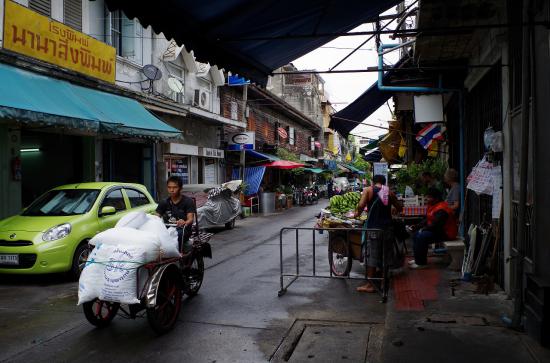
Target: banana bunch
{"points": [[340, 204]]}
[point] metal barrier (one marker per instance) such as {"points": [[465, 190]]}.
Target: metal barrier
{"points": [[380, 283]]}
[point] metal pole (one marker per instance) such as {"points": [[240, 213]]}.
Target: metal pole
{"points": [[243, 152], [297, 255], [461, 154], [281, 257], [313, 252]]}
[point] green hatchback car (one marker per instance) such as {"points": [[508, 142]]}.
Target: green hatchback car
{"points": [[51, 235]]}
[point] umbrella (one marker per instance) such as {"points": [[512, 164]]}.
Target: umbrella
{"points": [[284, 164]]}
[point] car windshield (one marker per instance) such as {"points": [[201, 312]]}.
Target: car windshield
{"points": [[63, 202]]}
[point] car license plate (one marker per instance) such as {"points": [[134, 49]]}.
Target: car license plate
{"points": [[9, 259]]}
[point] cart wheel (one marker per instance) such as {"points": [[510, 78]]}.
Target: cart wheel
{"points": [[164, 314], [100, 313], [194, 276], [339, 256]]}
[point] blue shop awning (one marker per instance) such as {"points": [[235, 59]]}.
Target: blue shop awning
{"points": [[252, 38], [356, 112], [261, 156], [36, 99]]}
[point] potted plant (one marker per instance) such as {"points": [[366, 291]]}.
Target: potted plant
{"points": [[288, 192]]}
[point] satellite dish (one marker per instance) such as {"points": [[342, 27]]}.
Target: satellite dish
{"points": [[175, 85], [151, 72]]}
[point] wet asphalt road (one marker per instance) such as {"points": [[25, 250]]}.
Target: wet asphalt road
{"points": [[237, 316]]}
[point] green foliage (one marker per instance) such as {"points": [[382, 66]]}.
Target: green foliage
{"points": [[287, 155], [362, 165], [411, 174], [290, 156]]}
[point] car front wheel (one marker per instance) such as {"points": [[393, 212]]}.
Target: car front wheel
{"points": [[79, 259]]}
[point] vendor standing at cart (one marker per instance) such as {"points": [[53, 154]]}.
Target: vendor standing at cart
{"points": [[379, 200], [177, 209]]}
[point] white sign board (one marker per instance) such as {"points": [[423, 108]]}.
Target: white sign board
{"points": [[428, 108], [182, 149], [381, 169], [211, 153], [242, 140]]}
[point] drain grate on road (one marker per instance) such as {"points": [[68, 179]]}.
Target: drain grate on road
{"points": [[329, 341]]}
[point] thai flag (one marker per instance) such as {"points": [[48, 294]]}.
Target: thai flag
{"points": [[428, 134]]}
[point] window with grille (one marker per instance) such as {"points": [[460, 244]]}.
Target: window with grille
{"points": [[72, 13], [43, 7], [125, 35]]}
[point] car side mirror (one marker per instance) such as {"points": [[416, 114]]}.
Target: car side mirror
{"points": [[107, 211]]}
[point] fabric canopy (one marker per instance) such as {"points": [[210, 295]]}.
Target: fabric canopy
{"points": [[374, 155], [314, 170], [32, 98], [252, 38], [284, 164], [261, 156], [353, 169], [356, 112]]}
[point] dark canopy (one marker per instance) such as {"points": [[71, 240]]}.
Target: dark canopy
{"points": [[356, 112], [252, 37]]}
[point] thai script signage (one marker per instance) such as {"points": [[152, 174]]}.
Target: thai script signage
{"points": [[37, 36], [211, 153]]}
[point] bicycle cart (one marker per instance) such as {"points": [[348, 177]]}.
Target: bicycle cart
{"points": [[160, 296], [345, 246]]}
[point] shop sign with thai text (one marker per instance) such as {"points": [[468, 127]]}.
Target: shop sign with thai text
{"points": [[34, 35], [211, 153]]}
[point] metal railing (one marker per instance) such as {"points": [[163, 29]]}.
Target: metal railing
{"points": [[380, 283]]}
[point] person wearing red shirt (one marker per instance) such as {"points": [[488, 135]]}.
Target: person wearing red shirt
{"points": [[439, 225]]}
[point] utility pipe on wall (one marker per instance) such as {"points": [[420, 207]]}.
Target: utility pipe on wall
{"points": [[382, 87]]}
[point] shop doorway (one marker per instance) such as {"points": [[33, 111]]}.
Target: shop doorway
{"points": [[128, 162], [49, 160]]}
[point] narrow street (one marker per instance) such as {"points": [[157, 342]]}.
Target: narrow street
{"points": [[237, 316]]}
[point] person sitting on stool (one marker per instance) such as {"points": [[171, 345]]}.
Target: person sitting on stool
{"points": [[439, 225]]}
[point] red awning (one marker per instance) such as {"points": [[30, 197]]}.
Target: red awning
{"points": [[284, 164]]}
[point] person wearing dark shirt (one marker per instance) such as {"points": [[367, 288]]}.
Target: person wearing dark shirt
{"points": [[379, 200], [439, 225], [177, 209]]}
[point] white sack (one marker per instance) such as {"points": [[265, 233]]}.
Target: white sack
{"points": [[168, 237], [120, 274], [132, 220], [91, 278], [125, 236]]}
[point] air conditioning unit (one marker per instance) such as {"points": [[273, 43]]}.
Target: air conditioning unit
{"points": [[202, 99]]}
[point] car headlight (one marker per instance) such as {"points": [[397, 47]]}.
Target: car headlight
{"points": [[57, 232]]}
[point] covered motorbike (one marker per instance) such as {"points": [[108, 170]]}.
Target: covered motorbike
{"points": [[221, 207]]}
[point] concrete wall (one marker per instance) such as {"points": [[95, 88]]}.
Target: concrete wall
{"points": [[10, 190], [154, 47], [262, 119]]}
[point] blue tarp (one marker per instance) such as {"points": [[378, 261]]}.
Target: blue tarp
{"points": [[32, 98], [252, 177], [331, 165], [252, 38]]}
